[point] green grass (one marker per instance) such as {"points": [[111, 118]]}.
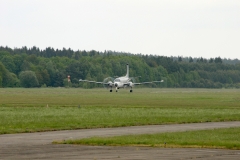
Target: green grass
{"points": [[25, 110], [218, 138]]}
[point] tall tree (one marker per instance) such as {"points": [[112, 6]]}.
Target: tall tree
{"points": [[28, 79]]}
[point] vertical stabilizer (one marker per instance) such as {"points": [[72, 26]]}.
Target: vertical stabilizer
{"points": [[127, 75]]}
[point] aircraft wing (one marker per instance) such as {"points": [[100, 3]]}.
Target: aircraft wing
{"points": [[90, 81], [148, 82], [94, 82]]}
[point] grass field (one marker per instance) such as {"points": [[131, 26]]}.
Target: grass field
{"points": [[218, 138], [45, 109]]}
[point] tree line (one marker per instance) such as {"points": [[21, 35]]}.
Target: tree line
{"points": [[32, 67]]}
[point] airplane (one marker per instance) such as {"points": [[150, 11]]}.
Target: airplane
{"points": [[120, 82]]}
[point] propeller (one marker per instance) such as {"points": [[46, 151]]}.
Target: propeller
{"points": [[133, 79], [108, 82]]}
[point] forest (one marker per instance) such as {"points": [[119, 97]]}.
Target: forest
{"points": [[32, 67]]}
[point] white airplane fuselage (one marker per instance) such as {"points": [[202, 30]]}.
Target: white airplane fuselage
{"points": [[121, 82]]}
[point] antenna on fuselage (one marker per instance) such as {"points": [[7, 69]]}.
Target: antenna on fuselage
{"points": [[127, 75]]}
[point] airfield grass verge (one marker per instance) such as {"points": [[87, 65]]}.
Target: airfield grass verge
{"points": [[48, 109], [217, 138]]}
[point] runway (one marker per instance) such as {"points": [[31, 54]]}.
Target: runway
{"points": [[38, 145]]}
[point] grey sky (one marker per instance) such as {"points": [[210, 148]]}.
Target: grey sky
{"points": [[197, 28]]}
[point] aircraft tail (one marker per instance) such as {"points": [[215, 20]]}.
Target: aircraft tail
{"points": [[127, 75]]}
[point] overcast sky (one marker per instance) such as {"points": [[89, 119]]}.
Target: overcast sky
{"points": [[197, 28]]}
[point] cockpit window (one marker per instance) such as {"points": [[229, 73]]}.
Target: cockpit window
{"points": [[117, 80]]}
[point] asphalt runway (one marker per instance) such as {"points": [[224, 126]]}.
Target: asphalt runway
{"points": [[39, 145]]}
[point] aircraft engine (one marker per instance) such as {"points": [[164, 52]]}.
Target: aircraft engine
{"points": [[108, 82], [131, 84]]}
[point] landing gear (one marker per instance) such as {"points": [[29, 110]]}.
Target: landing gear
{"points": [[110, 90], [130, 90]]}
